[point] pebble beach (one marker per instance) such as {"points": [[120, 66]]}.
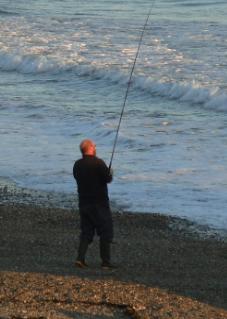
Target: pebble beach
{"points": [[167, 267]]}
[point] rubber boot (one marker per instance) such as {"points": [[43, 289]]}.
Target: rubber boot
{"points": [[104, 251], [83, 246]]}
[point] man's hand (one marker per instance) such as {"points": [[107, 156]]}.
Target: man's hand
{"points": [[111, 172]]}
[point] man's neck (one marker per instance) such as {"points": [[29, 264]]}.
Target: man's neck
{"points": [[89, 154]]}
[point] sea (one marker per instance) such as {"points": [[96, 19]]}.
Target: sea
{"points": [[64, 71]]}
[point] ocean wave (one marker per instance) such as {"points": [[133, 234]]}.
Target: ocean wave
{"points": [[209, 98], [5, 12], [27, 63], [200, 4]]}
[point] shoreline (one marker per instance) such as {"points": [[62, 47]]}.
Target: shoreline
{"points": [[166, 269], [10, 192]]}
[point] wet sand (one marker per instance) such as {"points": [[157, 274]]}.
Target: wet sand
{"points": [[167, 268]]}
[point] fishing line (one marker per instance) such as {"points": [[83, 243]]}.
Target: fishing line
{"points": [[130, 82]]}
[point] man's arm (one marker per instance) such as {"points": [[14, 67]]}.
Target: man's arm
{"points": [[106, 174]]}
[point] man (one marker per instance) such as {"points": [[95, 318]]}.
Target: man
{"points": [[92, 176]]}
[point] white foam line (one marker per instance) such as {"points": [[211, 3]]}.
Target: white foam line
{"points": [[212, 99]]}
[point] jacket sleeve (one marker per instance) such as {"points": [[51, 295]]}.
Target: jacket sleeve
{"points": [[106, 174], [74, 171]]}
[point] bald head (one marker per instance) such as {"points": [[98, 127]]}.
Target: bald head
{"points": [[88, 147]]}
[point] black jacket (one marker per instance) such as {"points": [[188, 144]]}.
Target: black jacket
{"points": [[92, 176]]}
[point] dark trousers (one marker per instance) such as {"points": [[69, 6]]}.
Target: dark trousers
{"points": [[96, 218]]}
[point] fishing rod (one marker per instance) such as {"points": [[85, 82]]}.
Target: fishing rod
{"points": [[130, 82]]}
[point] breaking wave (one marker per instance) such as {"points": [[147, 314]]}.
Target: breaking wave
{"points": [[28, 63], [209, 98]]}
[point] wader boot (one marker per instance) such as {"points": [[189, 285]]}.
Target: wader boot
{"points": [[83, 246], [105, 255]]}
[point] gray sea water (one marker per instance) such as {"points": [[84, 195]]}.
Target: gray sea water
{"points": [[64, 68]]}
